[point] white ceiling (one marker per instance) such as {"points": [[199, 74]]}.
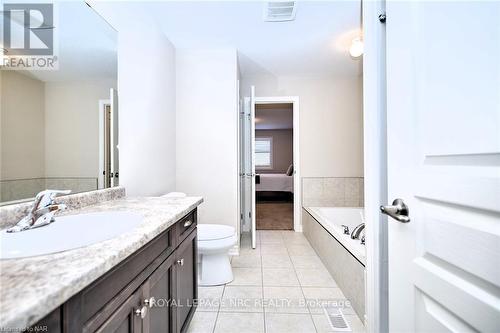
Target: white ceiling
{"points": [[315, 43], [272, 117]]}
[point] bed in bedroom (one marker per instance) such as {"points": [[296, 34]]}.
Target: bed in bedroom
{"points": [[274, 187], [276, 182]]}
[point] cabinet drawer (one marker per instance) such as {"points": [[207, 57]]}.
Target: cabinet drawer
{"points": [[185, 226], [101, 298]]}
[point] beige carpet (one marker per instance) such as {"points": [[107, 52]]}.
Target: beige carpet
{"points": [[274, 216]]}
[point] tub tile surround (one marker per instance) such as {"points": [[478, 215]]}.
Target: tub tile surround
{"points": [[11, 214], [347, 271], [333, 192], [289, 296]]}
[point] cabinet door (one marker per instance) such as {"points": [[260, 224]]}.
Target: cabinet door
{"points": [[186, 281], [159, 298], [127, 318]]}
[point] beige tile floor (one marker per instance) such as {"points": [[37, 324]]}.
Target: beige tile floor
{"points": [[280, 287]]}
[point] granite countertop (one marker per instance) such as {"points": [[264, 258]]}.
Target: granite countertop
{"points": [[30, 288]]}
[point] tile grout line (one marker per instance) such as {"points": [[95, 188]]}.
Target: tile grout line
{"points": [[218, 308], [302, 288]]}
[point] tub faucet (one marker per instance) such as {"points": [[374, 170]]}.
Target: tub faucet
{"points": [[42, 212], [357, 231]]}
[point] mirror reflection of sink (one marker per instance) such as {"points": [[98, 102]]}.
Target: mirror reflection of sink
{"points": [[66, 233]]}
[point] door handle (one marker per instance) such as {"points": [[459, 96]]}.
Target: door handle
{"points": [[398, 211]]}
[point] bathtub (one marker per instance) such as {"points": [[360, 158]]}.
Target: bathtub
{"points": [[332, 219], [344, 257]]}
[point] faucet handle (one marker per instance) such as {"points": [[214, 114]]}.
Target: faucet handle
{"points": [[345, 229], [46, 198]]}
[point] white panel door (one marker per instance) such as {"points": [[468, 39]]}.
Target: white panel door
{"points": [[242, 148], [252, 169], [443, 134]]}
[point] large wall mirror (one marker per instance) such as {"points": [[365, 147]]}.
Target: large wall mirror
{"points": [[59, 128]]}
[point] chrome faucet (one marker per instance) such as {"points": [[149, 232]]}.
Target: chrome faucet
{"points": [[42, 212], [357, 231]]}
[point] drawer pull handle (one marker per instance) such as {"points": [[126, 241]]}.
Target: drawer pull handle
{"points": [[142, 312], [149, 302], [180, 262], [187, 223]]}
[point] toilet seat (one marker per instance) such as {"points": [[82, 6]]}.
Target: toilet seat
{"points": [[213, 232]]}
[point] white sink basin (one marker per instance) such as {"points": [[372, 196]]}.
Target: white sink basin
{"points": [[66, 233]]}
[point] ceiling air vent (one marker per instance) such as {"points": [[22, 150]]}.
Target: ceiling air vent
{"points": [[280, 11]]}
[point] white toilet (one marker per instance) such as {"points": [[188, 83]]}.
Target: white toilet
{"points": [[214, 242]]}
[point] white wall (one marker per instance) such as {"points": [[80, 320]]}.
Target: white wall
{"points": [[72, 127], [331, 120], [207, 123], [22, 126], [146, 94]]}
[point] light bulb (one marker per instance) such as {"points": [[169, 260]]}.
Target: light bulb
{"points": [[356, 49]]}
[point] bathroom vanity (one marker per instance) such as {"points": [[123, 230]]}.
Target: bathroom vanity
{"points": [[142, 281], [153, 290]]}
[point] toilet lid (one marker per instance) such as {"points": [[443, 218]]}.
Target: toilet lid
{"points": [[207, 232]]}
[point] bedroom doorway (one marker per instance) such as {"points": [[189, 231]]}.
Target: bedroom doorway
{"points": [[250, 174], [274, 166]]}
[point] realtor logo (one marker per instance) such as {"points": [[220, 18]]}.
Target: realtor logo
{"points": [[28, 29], [29, 41]]}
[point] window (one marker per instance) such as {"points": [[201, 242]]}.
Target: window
{"points": [[264, 152]]}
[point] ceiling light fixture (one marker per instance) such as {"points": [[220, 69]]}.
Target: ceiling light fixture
{"points": [[357, 44], [356, 49]]}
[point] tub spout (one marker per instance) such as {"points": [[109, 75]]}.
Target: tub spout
{"points": [[357, 231]]}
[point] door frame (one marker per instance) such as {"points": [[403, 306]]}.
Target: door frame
{"points": [[100, 178], [375, 166], [297, 204]]}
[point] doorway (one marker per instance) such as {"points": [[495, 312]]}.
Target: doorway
{"points": [[249, 177], [274, 166], [108, 142]]}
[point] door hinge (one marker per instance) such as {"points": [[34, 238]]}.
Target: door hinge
{"points": [[250, 214]]}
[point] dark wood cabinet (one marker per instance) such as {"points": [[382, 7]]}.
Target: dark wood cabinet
{"points": [[152, 291], [160, 294], [186, 286], [125, 319]]}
